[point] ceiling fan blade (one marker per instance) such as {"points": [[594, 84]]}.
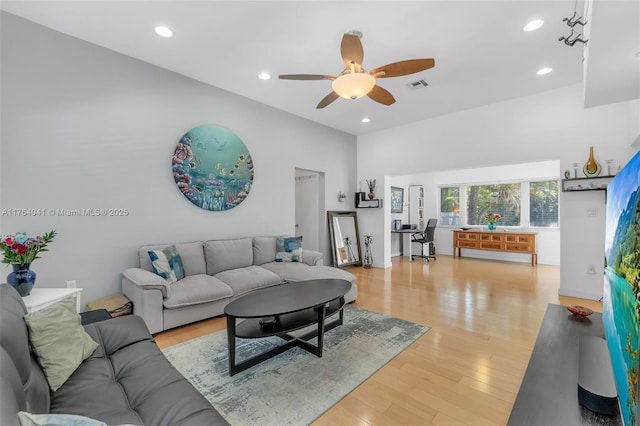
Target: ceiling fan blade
{"points": [[381, 95], [306, 77], [351, 50], [327, 100], [397, 69]]}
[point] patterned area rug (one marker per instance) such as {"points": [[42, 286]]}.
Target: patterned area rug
{"points": [[295, 387]]}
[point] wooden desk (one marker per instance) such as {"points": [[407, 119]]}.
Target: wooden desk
{"points": [[406, 240], [511, 242]]}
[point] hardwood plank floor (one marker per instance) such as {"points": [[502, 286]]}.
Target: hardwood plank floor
{"points": [[467, 369]]}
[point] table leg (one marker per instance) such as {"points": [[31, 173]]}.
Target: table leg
{"points": [[231, 342], [321, 315]]}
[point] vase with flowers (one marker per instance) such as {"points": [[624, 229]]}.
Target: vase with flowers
{"points": [[492, 219], [19, 251], [371, 183]]}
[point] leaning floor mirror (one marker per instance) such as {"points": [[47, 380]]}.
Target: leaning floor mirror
{"points": [[345, 239]]}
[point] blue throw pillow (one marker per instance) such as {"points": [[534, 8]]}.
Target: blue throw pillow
{"points": [[289, 249], [167, 263]]}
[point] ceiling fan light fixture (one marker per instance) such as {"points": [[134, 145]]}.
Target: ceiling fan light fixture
{"points": [[163, 31], [353, 85], [533, 25]]}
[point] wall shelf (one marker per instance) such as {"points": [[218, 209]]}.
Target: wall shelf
{"points": [[598, 183], [364, 203]]}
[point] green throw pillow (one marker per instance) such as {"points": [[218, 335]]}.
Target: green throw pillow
{"points": [[289, 249], [59, 341]]}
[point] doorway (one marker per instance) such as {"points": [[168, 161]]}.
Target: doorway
{"points": [[309, 208]]}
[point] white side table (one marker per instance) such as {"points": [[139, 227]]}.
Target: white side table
{"points": [[42, 297]]}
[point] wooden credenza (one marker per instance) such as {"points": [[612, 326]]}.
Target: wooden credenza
{"points": [[511, 242]]}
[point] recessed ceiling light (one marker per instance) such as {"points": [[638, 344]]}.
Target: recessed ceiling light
{"points": [[264, 76], [533, 25], [164, 31], [366, 120], [543, 71]]}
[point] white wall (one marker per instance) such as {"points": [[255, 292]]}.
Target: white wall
{"points": [[85, 127], [547, 126]]}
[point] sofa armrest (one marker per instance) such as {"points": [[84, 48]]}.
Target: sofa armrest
{"points": [[147, 291], [117, 333], [312, 258], [147, 280]]}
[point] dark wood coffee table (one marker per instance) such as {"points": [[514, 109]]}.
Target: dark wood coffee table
{"points": [[289, 307]]}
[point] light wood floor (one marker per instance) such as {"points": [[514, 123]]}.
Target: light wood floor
{"points": [[467, 369]]}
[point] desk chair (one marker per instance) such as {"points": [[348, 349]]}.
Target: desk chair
{"points": [[425, 237]]}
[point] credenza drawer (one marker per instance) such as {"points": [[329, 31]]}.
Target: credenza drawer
{"points": [[519, 238], [468, 244], [518, 247], [491, 245], [469, 237], [487, 237]]}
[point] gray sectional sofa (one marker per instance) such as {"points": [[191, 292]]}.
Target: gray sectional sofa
{"points": [[216, 272], [126, 380]]}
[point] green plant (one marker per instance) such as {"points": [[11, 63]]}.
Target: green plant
{"points": [[371, 183]]}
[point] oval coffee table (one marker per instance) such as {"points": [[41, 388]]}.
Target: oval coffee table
{"points": [[281, 309]]}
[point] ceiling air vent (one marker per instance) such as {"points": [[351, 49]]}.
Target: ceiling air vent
{"points": [[418, 84]]}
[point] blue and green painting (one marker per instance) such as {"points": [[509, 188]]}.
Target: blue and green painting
{"points": [[213, 168]]}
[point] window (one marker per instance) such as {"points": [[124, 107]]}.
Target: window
{"points": [[543, 203], [503, 199], [450, 205], [525, 203]]}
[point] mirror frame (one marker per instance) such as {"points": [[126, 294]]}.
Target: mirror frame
{"points": [[331, 215]]}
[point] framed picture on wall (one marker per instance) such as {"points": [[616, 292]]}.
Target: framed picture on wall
{"points": [[397, 199]]}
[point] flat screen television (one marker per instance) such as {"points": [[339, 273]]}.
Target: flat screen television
{"points": [[621, 299]]}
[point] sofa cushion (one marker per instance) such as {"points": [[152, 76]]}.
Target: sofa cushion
{"points": [[304, 272], [264, 250], [223, 255], [196, 289], [129, 381], [289, 249], [167, 263], [192, 255], [243, 280]]}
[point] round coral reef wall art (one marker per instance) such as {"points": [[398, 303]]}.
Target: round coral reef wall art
{"points": [[213, 168]]}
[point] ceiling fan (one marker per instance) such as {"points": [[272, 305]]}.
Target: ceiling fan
{"points": [[354, 81]]}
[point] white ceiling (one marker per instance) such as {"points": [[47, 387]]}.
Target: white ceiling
{"points": [[482, 55]]}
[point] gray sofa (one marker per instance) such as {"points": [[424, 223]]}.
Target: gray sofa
{"points": [[127, 380], [216, 272]]}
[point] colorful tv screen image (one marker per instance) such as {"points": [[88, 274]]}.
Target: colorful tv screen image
{"points": [[621, 298]]}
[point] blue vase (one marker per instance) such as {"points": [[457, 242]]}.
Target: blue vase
{"points": [[491, 226], [22, 278]]}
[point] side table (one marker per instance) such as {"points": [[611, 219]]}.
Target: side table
{"points": [[42, 297]]}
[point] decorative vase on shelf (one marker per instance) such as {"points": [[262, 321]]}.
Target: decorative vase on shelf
{"points": [[371, 195], [22, 278], [491, 226], [592, 167]]}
